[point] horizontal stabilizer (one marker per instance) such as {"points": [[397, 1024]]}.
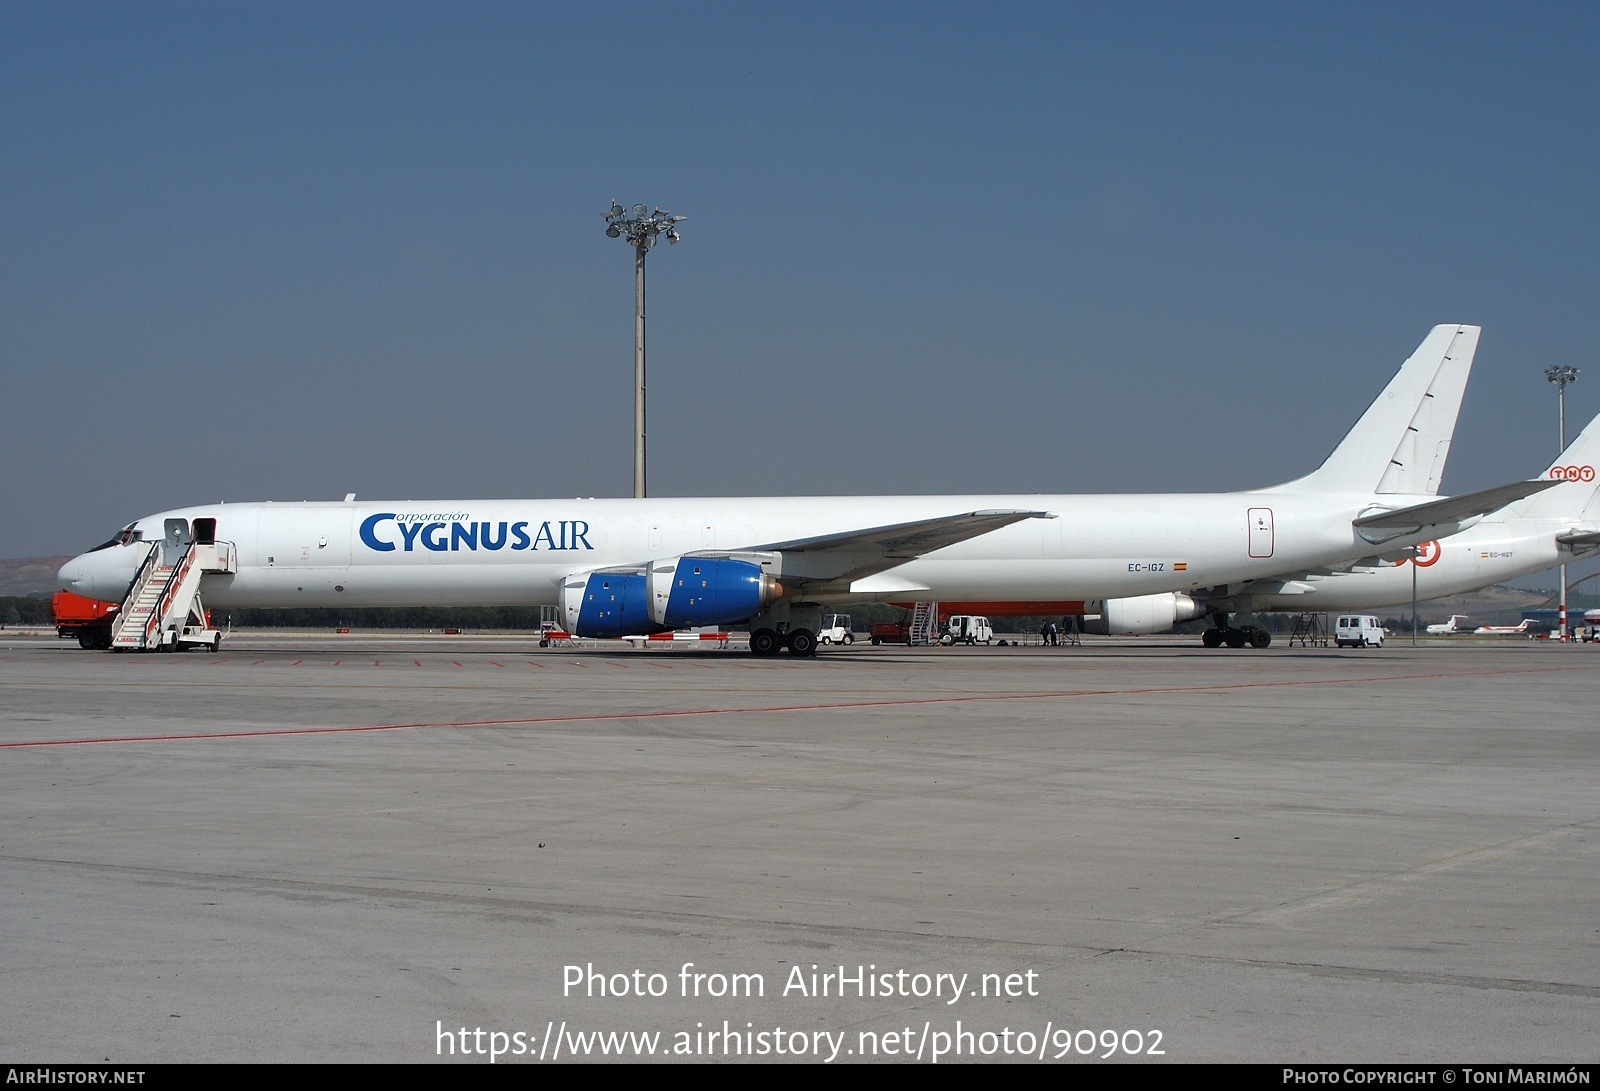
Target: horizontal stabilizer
{"points": [[1580, 541], [1452, 511]]}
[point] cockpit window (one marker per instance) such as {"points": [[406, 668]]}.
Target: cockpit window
{"points": [[125, 536]]}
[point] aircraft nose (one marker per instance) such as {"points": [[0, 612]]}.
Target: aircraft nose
{"points": [[100, 574], [71, 575]]}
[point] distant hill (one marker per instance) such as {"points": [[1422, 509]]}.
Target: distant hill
{"points": [[30, 575]]}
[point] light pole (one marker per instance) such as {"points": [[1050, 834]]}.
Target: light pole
{"points": [[1415, 553], [639, 226], [1561, 375]]}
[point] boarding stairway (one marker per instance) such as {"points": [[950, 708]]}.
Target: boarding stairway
{"points": [[163, 610], [924, 624]]}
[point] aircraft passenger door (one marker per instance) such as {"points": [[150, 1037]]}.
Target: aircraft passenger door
{"points": [[175, 540], [1260, 520]]}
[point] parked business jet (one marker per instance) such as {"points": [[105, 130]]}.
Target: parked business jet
{"points": [[1528, 535], [621, 567], [1527, 628], [1453, 627]]}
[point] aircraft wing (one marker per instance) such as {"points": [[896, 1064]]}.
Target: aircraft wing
{"points": [[1447, 516], [856, 554]]}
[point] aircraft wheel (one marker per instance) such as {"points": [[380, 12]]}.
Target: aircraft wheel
{"points": [[764, 642], [802, 642], [1260, 638], [1211, 638], [1235, 638]]}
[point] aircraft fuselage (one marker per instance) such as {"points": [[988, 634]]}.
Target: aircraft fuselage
{"points": [[518, 552]]}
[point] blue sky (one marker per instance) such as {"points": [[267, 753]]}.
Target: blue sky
{"points": [[293, 250]]}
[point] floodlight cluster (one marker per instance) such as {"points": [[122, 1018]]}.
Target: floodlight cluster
{"points": [[640, 226]]}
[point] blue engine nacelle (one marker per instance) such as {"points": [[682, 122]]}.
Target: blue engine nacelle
{"points": [[607, 604], [679, 593], [690, 591]]}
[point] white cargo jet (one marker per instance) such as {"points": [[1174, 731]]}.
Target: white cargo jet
{"points": [[1527, 535], [620, 567]]}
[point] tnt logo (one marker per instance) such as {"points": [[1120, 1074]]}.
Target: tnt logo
{"points": [[1572, 473], [1428, 553]]}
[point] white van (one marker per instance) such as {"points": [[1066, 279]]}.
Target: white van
{"points": [[1358, 632], [966, 629]]}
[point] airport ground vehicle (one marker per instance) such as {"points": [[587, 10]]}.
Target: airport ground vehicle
{"points": [[835, 629], [966, 629], [87, 619], [891, 632], [1358, 631], [1236, 636]]}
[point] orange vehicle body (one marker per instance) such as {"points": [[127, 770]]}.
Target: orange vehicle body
{"points": [[84, 618]]}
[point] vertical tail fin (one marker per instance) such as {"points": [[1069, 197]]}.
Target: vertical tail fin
{"points": [[1401, 442], [1579, 503]]}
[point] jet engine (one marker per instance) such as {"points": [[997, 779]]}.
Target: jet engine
{"points": [[679, 593], [614, 603], [1142, 614]]}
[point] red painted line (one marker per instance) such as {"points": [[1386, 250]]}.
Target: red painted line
{"points": [[898, 702], [297, 662], [492, 663], [258, 662], [376, 663], [416, 662], [531, 663], [457, 662], [336, 662]]}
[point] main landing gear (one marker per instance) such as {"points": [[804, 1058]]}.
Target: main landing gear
{"points": [[1234, 637], [800, 642]]}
